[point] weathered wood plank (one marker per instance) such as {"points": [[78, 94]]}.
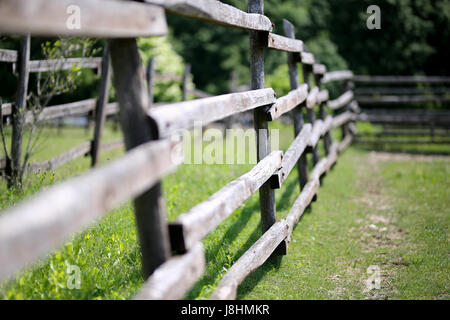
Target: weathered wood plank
{"points": [[401, 99], [353, 106], [61, 159], [98, 18], [33, 228], [65, 110], [64, 64], [111, 145], [192, 226], [337, 76], [291, 156], [341, 101], [311, 101], [327, 125], [319, 69], [307, 58], [112, 108], [6, 109], [102, 101], [151, 219], [179, 116], [316, 133], [173, 279], [251, 260], [401, 79], [8, 55], [216, 12], [288, 102], [343, 118], [345, 143], [297, 115], [300, 205], [266, 193], [323, 96], [281, 43]]}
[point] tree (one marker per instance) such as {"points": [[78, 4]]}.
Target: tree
{"points": [[48, 85]]}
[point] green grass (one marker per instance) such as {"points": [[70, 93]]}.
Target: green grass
{"points": [[331, 248]]}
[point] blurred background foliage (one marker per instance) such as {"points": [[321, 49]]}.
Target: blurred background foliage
{"points": [[413, 40]]}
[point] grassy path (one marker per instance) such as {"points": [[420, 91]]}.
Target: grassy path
{"points": [[373, 210]]}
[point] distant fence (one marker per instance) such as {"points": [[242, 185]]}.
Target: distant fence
{"points": [[97, 108], [404, 125], [32, 229]]}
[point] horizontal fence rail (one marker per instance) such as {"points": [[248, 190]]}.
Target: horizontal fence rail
{"points": [[31, 229], [100, 18]]}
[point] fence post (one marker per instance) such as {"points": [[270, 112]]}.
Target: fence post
{"points": [[150, 80], [266, 193], [187, 72], [327, 139], [132, 96], [102, 101], [302, 164], [346, 85], [18, 110], [307, 70]]}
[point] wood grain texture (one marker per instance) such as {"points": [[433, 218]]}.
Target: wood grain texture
{"points": [[322, 96], [192, 226], [311, 101], [292, 156], [176, 117], [343, 118], [342, 101], [34, 227], [173, 279], [61, 159], [327, 125], [216, 12], [8, 55], [288, 102], [101, 104], [345, 143], [281, 43], [99, 18], [316, 133], [251, 260], [307, 58], [319, 69], [64, 64], [300, 205], [6, 109], [337, 76], [131, 93], [65, 110]]}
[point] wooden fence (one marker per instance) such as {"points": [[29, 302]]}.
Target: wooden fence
{"points": [[32, 229], [404, 125], [96, 108]]}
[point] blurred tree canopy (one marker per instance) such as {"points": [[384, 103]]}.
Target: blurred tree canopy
{"points": [[413, 39]]}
